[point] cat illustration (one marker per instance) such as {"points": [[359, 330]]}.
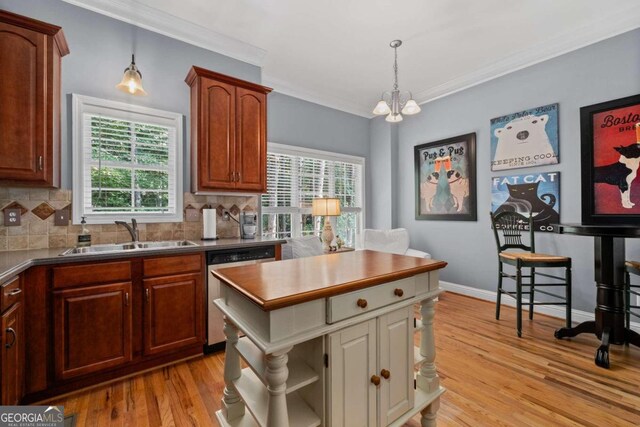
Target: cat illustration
{"points": [[523, 198]]}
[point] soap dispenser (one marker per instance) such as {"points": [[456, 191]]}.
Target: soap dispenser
{"points": [[84, 239]]}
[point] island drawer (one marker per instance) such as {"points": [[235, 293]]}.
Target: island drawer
{"points": [[343, 306], [10, 293]]}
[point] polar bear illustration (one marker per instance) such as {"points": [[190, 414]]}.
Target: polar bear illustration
{"points": [[523, 142]]}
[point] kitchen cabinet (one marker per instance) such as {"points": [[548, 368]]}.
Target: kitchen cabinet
{"points": [[12, 359], [30, 91], [92, 328], [173, 312], [228, 133]]}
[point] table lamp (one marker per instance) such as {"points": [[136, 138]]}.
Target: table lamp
{"points": [[327, 207]]}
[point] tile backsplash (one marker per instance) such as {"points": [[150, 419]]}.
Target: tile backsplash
{"points": [[37, 229]]}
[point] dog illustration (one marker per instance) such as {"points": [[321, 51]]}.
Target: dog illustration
{"points": [[459, 188], [524, 138], [622, 173], [428, 189]]}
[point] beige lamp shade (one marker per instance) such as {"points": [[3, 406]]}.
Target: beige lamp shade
{"points": [[326, 206], [132, 80]]}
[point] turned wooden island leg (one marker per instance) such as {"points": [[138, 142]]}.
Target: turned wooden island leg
{"points": [[276, 375], [427, 378], [232, 404]]}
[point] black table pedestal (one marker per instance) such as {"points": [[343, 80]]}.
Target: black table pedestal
{"points": [[609, 324]]}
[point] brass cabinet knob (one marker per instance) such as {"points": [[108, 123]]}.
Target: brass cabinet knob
{"points": [[385, 374], [362, 303], [398, 292], [375, 380]]}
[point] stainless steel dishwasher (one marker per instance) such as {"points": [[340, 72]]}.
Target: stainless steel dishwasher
{"points": [[221, 259]]}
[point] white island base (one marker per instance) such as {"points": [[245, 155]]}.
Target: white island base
{"points": [[335, 361]]}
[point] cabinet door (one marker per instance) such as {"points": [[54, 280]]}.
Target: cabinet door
{"points": [[12, 355], [395, 335], [173, 312], [92, 329], [251, 145], [23, 96], [217, 138], [352, 363]]}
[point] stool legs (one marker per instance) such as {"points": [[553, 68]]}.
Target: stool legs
{"points": [[499, 293], [519, 300], [531, 295], [627, 300], [567, 276]]}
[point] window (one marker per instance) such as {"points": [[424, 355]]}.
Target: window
{"points": [[127, 162], [295, 176]]}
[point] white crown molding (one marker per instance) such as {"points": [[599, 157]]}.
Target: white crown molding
{"points": [[316, 98], [610, 26], [166, 24]]}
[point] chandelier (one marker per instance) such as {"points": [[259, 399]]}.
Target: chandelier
{"points": [[395, 102]]}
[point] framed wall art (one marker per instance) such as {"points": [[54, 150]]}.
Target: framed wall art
{"points": [[445, 183], [610, 152], [525, 139], [536, 193]]}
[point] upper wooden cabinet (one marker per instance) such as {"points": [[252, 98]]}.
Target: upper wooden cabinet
{"points": [[30, 54], [228, 133]]}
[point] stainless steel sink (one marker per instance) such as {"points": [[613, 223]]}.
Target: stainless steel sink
{"points": [[165, 244], [100, 249], [124, 247]]}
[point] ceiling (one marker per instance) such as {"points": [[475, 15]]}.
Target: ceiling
{"points": [[336, 52]]}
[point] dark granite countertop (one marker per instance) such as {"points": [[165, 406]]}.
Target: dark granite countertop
{"points": [[15, 262]]}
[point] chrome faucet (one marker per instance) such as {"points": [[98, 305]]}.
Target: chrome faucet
{"points": [[132, 229]]}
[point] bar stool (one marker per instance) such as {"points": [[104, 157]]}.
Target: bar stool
{"points": [[511, 225], [631, 267]]}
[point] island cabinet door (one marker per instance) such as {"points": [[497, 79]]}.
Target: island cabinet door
{"points": [[395, 363], [352, 373], [173, 312], [92, 328]]}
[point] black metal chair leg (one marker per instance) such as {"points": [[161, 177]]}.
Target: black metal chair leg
{"points": [[568, 295], [499, 293], [533, 282], [627, 300], [519, 300]]}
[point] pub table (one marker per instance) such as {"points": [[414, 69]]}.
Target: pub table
{"points": [[609, 325]]}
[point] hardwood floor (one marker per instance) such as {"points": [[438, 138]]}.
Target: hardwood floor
{"points": [[492, 378]]}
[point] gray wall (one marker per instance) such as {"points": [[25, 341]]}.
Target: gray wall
{"points": [[384, 163], [101, 49], [601, 72], [293, 121]]}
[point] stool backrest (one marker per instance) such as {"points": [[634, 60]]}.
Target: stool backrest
{"points": [[512, 226]]}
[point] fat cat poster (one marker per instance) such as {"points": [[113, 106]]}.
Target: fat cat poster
{"points": [[538, 193], [525, 139], [616, 157], [445, 179]]}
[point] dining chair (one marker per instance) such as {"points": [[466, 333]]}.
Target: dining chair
{"points": [[508, 229], [631, 267]]}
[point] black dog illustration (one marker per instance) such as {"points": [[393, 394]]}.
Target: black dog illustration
{"points": [[622, 173]]}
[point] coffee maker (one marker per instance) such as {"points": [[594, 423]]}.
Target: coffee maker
{"points": [[248, 225]]}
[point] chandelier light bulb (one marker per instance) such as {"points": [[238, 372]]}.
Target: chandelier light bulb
{"points": [[382, 108], [411, 108], [394, 118]]}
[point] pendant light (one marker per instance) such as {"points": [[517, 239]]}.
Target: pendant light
{"points": [[393, 103], [132, 80]]}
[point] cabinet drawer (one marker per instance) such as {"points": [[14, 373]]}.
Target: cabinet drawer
{"points": [[11, 293], [352, 304], [89, 274], [164, 266]]}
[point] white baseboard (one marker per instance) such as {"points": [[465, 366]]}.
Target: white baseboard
{"points": [[578, 316]]}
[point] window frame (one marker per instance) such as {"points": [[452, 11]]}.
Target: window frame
{"points": [[291, 150], [82, 104]]}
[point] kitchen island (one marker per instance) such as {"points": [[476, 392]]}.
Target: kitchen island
{"points": [[329, 341]]}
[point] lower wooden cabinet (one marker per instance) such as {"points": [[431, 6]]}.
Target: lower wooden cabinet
{"points": [[370, 376], [12, 360], [92, 328], [173, 312]]}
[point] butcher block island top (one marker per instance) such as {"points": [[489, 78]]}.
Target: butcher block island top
{"points": [[281, 284]]}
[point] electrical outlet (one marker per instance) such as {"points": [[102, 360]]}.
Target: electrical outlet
{"points": [[12, 217], [226, 215], [61, 217]]}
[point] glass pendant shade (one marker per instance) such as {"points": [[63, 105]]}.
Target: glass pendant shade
{"points": [[132, 80], [382, 108], [394, 118], [411, 107]]}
